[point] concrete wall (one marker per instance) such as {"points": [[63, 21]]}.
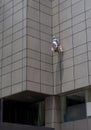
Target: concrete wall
{"points": [[72, 25]]}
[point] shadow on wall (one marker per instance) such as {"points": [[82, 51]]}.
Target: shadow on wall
{"points": [[58, 73], [61, 65]]}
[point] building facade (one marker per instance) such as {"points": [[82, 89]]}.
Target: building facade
{"points": [[38, 87]]}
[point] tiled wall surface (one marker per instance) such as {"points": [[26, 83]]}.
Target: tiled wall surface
{"points": [[26, 28], [25, 42], [26, 62], [52, 112], [39, 56], [12, 46], [72, 25]]}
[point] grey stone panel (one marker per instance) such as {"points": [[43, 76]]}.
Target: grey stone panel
{"points": [[7, 126], [67, 126], [89, 124], [80, 125]]}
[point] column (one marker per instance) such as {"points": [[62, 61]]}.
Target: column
{"points": [[52, 112]]}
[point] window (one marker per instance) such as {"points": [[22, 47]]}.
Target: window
{"points": [[24, 112], [73, 107]]}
